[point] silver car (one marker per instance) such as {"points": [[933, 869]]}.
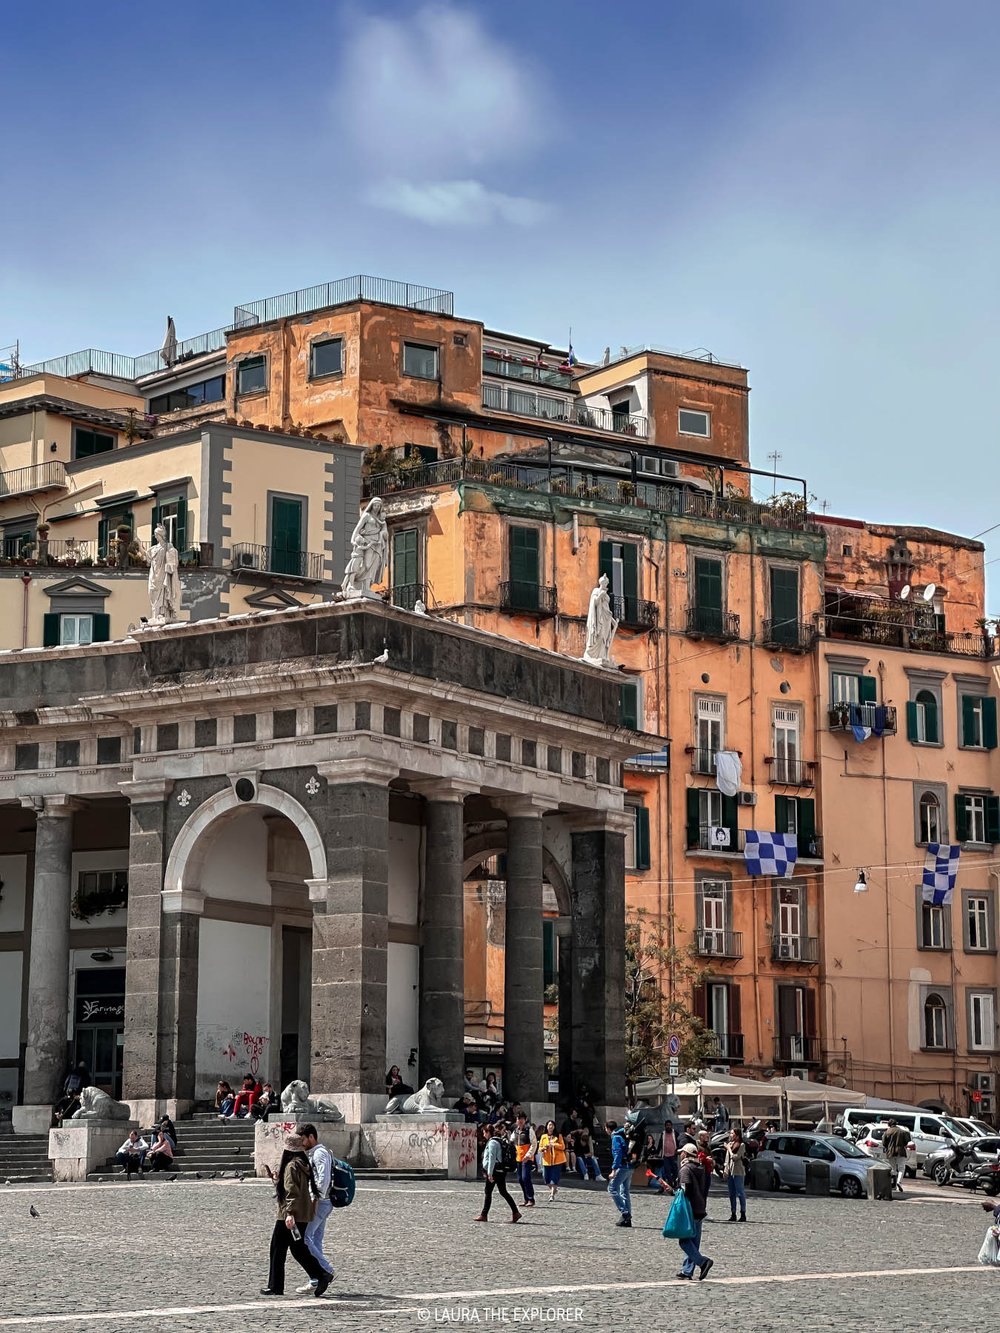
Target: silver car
{"points": [[789, 1152]]}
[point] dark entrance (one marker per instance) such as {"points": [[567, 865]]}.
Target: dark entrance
{"points": [[99, 1016]]}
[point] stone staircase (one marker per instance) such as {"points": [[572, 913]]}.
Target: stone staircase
{"points": [[23, 1158], [206, 1145]]}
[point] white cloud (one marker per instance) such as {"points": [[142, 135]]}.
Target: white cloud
{"points": [[466, 203], [430, 102]]}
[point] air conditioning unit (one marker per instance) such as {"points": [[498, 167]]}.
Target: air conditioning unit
{"points": [[648, 464], [718, 1069], [984, 1082], [719, 838], [799, 1072], [746, 798], [784, 951], [246, 560], [661, 467]]}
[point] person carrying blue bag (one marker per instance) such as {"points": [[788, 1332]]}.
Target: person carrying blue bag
{"points": [[687, 1214]]}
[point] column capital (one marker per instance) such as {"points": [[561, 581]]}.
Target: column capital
{"points": [[52, 806], [146, 789], [339, 772], [444, 789], [522, 807], [599, 821], [183, 900]]}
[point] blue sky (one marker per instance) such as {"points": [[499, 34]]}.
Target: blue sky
{"points": [[810, 190]]}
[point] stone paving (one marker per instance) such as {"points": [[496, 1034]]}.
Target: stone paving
{"points": [[193, 1256]]}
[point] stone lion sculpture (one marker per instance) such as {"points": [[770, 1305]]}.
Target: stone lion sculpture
{"points": [[295, 1099], [429, 1098], [95, 1104]]}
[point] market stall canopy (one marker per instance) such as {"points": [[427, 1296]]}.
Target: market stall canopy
{"points": [[711, 1085], [800, 1090]]}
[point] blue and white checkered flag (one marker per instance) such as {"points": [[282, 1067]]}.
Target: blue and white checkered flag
{"points": [[940, 873], [770, 853]]}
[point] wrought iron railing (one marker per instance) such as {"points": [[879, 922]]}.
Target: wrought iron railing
{"points": [[703, 760], [794, 948], [794, 1049], [719, 943], [784, 772], [716, 838], [37, 477], [406, 595], [529, 598], [249, 557], [729, 1045], [634, 613], [879, 719], [788, 634], [523, 403], [710, 623]]}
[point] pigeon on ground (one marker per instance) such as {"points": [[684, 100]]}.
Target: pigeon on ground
{"points": [[6, 1182], [213, 1175], [240, 1177], [197, 1175], [173, 1177], [34, 1211], [237, 1151]]}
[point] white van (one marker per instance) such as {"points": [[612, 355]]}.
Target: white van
{"points": [[927, 1129]]}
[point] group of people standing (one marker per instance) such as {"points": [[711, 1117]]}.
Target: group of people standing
{"points": [[302, 1190]]}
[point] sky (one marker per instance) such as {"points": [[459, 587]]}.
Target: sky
{"points": [[807, 189]]}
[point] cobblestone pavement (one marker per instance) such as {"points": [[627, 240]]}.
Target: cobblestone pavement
{"points": [[148, 1256]]}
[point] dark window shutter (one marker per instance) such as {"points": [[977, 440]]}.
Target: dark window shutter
{"points": [[968, 720], [867, 689], [630, 706], [604, 551], [102, 627], [693, 817], [990, 723], [50, 629], [102, 536], [961, 818], [993, 819], [781, 814], [911, 721], [642, 861], [524, 556], [708, 584], [931, 721], [180, 540], [404, 558], [729, 817], [630, 571], [699, 1001], [735, 1017], [153, 524], [784, 603], [807, 826], [810, 1013]]}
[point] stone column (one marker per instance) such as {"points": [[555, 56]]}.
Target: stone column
{"points": [[48, 967], [441, 1026], [598, 890], [175, 1061], [564, 934], [351, 942], [524, 1077]]}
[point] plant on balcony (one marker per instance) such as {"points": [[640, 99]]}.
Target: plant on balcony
{"points": [[27, 549], [626, 491], [840, 715], [90, 902]]}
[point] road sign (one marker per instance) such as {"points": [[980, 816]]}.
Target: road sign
{"points": [[675, 1066], [674, 1046]]}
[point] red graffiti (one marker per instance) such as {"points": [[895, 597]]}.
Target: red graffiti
{"points": [[254, 1047], [466, 1159]]}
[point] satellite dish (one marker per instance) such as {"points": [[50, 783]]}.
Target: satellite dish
{"points": [[904, 592], [929, 591]]}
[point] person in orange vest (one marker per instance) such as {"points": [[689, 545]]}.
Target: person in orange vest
{"points": [[552, 1146]]}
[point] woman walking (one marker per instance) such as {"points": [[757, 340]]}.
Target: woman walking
{"points": [[495, 1173], [294, 1189], [552, 1147], [735, 1172]]}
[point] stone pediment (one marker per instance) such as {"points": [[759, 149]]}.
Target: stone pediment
{"points": [[76, 587], [272, 599]]}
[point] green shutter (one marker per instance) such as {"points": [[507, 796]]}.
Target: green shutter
{"points": [[153, 523], [807, 825], [50, 630], [708, 595], [642, 861], [968, 720], [931, 722], [784, 605], [961, 818], [990, 723], [867, 689], [102, 627], [693, 817], [730, 818], [404, 558], [524, 569], [630, 706], [286, 535], [604, 561], [102, 536], [630, 570], [911, 721], [993, 819], [781, 814], [549, 976], [180, 540]]}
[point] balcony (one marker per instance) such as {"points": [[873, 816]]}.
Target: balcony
{"points": [[717, 838], [528, 372], [525, 403], [879, 719], [729, 1046], [719, 943], [794, 1049], [529, 599], [702, 761], [31, 480], [406, 595], [248, 559], [707, 622], [789, 635], [810, 847], [910, 625], [634, 613], [802, 949], [784, 772]]}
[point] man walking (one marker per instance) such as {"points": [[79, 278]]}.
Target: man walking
{"points": [[321, 1161], [721, 1112], [894, 1143], [620, 1178], [694, 1183], [525, 1146], [495, 1173], [668, 1167]]}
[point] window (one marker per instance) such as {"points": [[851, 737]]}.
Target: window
{"points": [[637, 839], [76, 629], [422, 362], [171, 513], [791, 920], [690, 422], [979, 722], [406, 585], [982, 1020], [99, 891], [935, 1023], [785, 724], [86, 443], [251, 375], [933, 924], [630, 710], [326, 358], [797, 814], [979, 930], [17, 542], [523, 568], [784, 587], [930, 818], [977, 817], [192, 395], [845, 688], [707, 595], [922, 719], [620, 415], [620, 561], [710, 732], [286, 535], [711, 820], [713, 917]]}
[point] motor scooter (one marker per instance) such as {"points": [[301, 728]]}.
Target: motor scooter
{"points": [[958, 1164]]}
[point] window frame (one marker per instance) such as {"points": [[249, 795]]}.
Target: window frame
{"points": [[939, 1009], [241, 365], [839, 674], [78, 617], [927, 913], [972, 995], [325, 340], [695, 412], [435, 349], [94, 431], [987, 898]]}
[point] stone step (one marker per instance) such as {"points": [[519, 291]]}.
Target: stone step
{"points": [[363, 1174], [26, 1177]]}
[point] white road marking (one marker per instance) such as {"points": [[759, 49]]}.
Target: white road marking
{"points": [[63, 1187], [430, 1298]]}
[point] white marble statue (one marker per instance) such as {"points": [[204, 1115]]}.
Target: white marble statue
{"points": [[296, 1101], [164, 580], [601, 626], [428, 1100], [95, 1104], [369, 552]]}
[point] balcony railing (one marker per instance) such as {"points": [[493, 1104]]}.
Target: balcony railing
{"points": [[729, 1045], [810, 847], [717, 838], [703, 761], [794, 1049], [248, 558], [791, 635], [38, 477], [794, 949], [784, 772], [634, 613], [719, 943], [707, 622], [896, 624], [879, 719], [524, 403], [530, 599], [527, 372], [406, 595]]}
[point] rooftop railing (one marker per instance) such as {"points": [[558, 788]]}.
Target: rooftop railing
{"points": [[361, 287], [896, 625]]}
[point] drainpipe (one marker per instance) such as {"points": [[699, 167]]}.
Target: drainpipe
{"points": [[888, 900], [26, 584]]}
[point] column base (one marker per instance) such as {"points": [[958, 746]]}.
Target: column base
{"points": [[83, 1145], [344, 1141], [357, 1108], [424, 1143], [31, 1119]]}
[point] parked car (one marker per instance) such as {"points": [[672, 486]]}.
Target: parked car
{"points": [[928, 1129], [870, 1142], [789, 1152], [974, 1128]]}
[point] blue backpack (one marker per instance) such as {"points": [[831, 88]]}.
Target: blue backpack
{"points": [[342, 1184]]}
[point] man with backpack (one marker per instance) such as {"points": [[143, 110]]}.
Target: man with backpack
{"points": [[321, 1164], [497, 1155], [620, 1179]]}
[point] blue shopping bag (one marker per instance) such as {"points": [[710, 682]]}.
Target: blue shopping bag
{"points": [[680, 1220]]}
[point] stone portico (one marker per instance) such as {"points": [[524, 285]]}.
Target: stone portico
{"points": [[296, 796]]}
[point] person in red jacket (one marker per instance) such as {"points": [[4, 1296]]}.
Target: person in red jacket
{"points": [[246, 1097], [706, 1159]]}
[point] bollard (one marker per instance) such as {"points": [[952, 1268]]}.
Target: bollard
{"points": [[760, 1175], [817, 1177], [880, 1181]]}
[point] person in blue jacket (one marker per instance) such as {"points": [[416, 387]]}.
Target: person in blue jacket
{"points": [[620, 1179]]}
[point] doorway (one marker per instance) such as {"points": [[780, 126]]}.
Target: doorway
{"points": [[99, 1016]]}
